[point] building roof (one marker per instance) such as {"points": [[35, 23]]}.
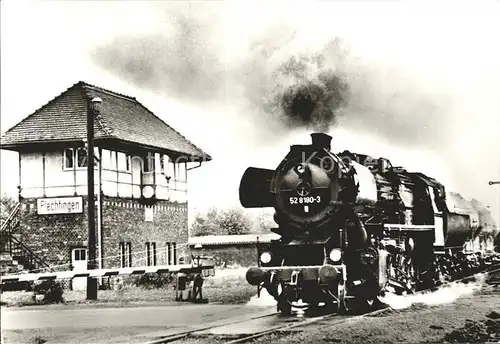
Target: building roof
{"points": [[233, 239], [118, 117]]}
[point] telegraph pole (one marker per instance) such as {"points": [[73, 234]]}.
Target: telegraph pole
{"points": [[497, 183], [91, 262]]}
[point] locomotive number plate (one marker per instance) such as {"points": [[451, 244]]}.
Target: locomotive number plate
{"points": [[305, 200]]}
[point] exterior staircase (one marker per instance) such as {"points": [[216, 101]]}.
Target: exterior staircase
{"points": [[15, 256]]}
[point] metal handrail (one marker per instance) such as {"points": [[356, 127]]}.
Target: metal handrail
{"points": [[32, 256], [12, 215], [7, 230]]}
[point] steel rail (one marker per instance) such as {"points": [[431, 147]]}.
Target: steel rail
{"points": [[176, 336]]}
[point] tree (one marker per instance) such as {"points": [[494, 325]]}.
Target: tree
{"points": [[7, 204], [234, 221], [206, 224], [264, 221], [215, 222]]}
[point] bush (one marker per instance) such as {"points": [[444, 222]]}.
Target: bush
{"points": [[232, 256], [52, 291], [17, 286], [226, 222], [154, 280]]}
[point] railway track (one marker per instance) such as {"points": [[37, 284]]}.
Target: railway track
{"points": [[216, 333], [181, 335], [343, 319]]}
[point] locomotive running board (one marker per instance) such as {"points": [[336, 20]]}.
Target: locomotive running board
{"points": [[408, 228], [295, 267]]}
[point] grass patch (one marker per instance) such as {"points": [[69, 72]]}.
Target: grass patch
{"points": [[17, 298], [228, 286]]}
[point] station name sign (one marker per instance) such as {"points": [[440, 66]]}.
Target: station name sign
{"points": [[60, 205]]}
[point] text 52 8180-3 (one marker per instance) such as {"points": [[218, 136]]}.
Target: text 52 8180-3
{"points": [[305, 200]]}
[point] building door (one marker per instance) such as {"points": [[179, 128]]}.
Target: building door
{"points": [[79, 263]]}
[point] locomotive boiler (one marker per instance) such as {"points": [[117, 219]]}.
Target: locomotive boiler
{"points": [[353, 227]]}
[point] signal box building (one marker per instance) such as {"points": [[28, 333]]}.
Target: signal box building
{"points": [[141, 169]]}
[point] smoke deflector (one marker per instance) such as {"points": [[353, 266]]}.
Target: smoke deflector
{"points": [[255, 188]]}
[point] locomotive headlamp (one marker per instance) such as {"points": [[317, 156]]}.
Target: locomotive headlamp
{"points": [[255, 276], [335, 255], [265, 257]]}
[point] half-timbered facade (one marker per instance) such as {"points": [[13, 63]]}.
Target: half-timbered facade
{"points": [[141, 180]]}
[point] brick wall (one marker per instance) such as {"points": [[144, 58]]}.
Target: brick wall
{"points": [[124, 220], [53, 237]]}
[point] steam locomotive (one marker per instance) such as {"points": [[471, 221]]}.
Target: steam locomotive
{"points": [[353, 228]]}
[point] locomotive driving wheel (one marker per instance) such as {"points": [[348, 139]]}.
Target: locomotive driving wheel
{"points": [[358, 303], [402, 271], [284, 307]]}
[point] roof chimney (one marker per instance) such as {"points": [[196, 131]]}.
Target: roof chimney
{"points": [[320, 140]]}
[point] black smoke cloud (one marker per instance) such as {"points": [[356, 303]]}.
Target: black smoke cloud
{"points": [[314, 104], [296, 90], [310, 101]]}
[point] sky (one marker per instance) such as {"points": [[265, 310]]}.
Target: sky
{"points": [[422, 76]]}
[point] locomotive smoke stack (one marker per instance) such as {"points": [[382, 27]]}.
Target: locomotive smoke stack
{"points": [[321, 140]]}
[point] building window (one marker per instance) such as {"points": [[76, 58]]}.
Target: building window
{"points": [[174, 246], [171, 253], [177, 170], [81, 157], [149, 163], [148, 254], [151, 253], [112, 160], [162, 164], [181, 172], [123, 162], [128, 163], [81, 254], [109, 159], [171, 169], [69, 161], [106, 158], [70, 156], [126, 254], [123, 255], [169, 257], [153, 245]]}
